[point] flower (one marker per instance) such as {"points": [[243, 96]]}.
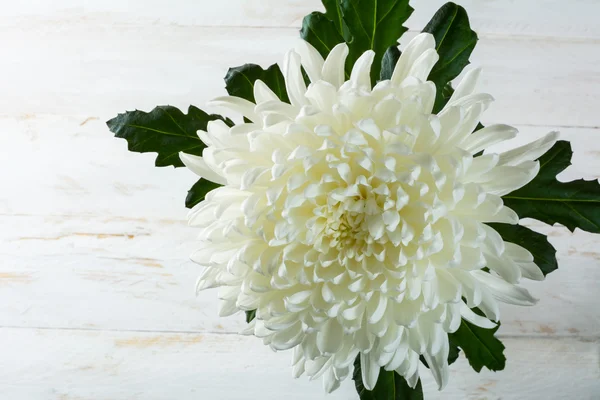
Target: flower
{"points": [[354, 220]]}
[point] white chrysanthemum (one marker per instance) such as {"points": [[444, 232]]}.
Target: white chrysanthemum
{"points": [[354, 220]]}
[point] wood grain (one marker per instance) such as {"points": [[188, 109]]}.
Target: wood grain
{"points": [[59, 365], [140, 280], [102, 71], [96, 290], [550, 18]]}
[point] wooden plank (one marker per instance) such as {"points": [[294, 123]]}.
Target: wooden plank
{"points": [[73, 166], [113, 276], [67, 365], [95, 224], [526, 17], [103, 70]]}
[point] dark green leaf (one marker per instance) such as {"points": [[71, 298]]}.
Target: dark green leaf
{"points": [[390, 58], [164, 130], [374, 25], [544, 254], [573, 204], [480, 346], [333, 11], [250, 315], [455, 41], [452, 355], [321, 32], [389, 386], [240, 81], [198, 191], [442, 97]]}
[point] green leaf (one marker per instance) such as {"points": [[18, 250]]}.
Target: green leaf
{"points": [[390, 58], [544, 254], [453, 353], [250, 315], [333, 12], [197, 192], [321, 32], [164, 130], [455, 41], [239, 81], [573, 204], [480, 346], [390, 386], [374, 25]]}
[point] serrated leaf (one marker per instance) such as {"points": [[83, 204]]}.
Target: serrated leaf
{"points": [[239, 81], [455, 41], [321, 32], [164, 130], [480, 346], [390, 386], [573, 204], [374, 25], [544, 254], [250, 315], [197, 192], [388, 63]]}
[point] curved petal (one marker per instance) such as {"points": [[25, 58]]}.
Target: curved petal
{"points": [[503, 291], [416, 47], [294, 82], [465, 87], [236, 104], [262, 93], [361, 72], [198, 166], [529, 152], [311, 60], [333, 67]]}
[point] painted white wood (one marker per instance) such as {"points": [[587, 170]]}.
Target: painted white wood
{"points": [[95, 286], [87, 273], [93, 365], [74, 166], [524, 17], [95, 69], [95, 236]]}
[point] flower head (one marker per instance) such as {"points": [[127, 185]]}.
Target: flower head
{"points": [[354, 220]]}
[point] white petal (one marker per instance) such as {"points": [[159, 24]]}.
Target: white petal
{"points": [[488, 136], [505, 179], [466, 86], [236, 104], [330, 382], [311, 60], [333, 68], [503, 291], [370, 370], [529, 152], [416, 47], [361, 71], [531, 271], [438, 364], [423, 65], [328, 339], [262, 93], [294, 81], [322, 95], [198, 166], [475, 319]]}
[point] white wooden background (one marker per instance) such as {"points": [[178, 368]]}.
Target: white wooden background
{"points": [[96, 291]]}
